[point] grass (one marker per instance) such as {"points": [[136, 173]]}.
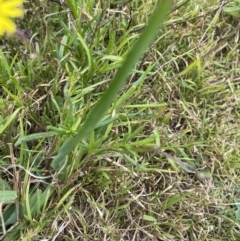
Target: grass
{"points": [[159, 162]]}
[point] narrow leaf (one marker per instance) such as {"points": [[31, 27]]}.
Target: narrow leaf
{"points": [[7, 196], [108, 97], [9, 120]]}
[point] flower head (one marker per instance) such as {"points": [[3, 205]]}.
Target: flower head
{"points": [[9, 9]]}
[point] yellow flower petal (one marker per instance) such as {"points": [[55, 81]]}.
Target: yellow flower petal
{"points": [[12, 3], [7, 25], [9, 9], [13, 13]]}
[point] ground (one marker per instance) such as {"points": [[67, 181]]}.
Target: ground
{"points": [[162, 162]]}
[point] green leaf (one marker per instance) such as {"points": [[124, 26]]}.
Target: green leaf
{"points": [[72, 4], [149, 218], [36, 136], [8, 196], [134, 162], [9, 120], [233, 11], [120, 78], [173, 200]]}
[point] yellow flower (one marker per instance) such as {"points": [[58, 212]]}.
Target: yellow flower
{"points": [[9, 9]]}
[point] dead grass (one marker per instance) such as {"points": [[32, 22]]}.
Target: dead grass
{"points": [[121, 189]]}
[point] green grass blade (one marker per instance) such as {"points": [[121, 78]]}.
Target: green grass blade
{"points": [[73, 7], [4, 126], [132, 58], [36, 136], [173, 200], [7, 196]]}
